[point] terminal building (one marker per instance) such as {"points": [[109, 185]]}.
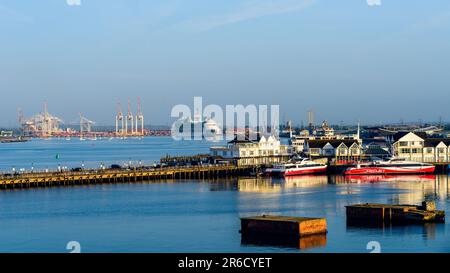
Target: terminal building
{"points": [[323, 142], [417, 146], [264, 150]]}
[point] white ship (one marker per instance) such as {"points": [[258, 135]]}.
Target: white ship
{"points": [[203, 127], [303, 166]]}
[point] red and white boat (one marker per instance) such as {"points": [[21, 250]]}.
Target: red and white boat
{"points": [[392, 166], [304, 166]]}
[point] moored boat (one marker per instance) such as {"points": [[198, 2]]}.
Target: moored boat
{"points": [[303, 166], [392, 166]]}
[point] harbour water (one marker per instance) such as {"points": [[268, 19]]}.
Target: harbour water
{"points": [[51, 153], [198, 215]]}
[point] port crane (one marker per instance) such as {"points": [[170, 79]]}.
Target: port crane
{"points": [[120, 122], [139, 119], [85, 125], [129, 120]]}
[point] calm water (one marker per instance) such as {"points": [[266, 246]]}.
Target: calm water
{"points": [[42, 153], [199, 216]]}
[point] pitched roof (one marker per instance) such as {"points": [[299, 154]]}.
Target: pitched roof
{"points": [[320, 143], [241, 139], [433, 142], [244, 138], [236, 140], [399, 135]]}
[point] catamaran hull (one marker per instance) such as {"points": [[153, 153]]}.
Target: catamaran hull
{"points": [[390, 170], [297, 171]]}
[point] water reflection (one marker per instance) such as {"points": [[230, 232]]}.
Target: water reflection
{"points": [[327, 196], [269, 184], [308, 242], [210, 210], [428, 231], [411, 189], [361, 179]]}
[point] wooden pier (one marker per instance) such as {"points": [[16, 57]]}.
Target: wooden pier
{"points": [[372, 214], [283, 225], [88, 177]]}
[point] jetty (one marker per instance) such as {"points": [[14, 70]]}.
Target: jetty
{"points": [[284, 231], [372, 214], [283, 225], [100, 176]]}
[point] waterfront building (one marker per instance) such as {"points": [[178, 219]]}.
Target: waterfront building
{"points": [[339, 149], [298, 143], [324, 130], [417, 146], [376, 148], [264, 150], [324, 143]]}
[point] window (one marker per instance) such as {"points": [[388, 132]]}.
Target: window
{"points": [[403, 143], [404, 151]]}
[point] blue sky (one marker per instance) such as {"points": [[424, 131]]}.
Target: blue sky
{"points": [[347, 60]]}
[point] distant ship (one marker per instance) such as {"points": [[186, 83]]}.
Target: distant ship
{"points": [[392, 166], [13, 139], [209, 127]]}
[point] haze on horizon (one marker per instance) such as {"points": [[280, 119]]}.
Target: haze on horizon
{"points": [[347, 60]]}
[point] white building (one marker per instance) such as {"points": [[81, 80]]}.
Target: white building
{"points": [[324, 130], [338, 148], [416, 146], [302, 143], [264, 150]]}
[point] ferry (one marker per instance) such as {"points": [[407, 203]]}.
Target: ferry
{"points": [[303, 166], [392, 166]]}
